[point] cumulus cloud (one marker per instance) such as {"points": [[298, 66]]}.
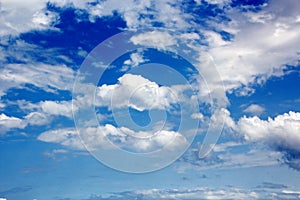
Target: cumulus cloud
{"points": [[254, 109], [8, 122], [60, 108], [95, 138], [67, 137], [135, 60], [39, 114], [272, 140], [37, 118], [280, 133], [136, 92], [33, 118], [199, 116]]}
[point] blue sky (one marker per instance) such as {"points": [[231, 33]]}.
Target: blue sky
{"points": [[149, 99]]}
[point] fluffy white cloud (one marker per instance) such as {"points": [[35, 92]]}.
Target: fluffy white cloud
{"points": [[275, 139], [61, 108], [214, 39], [283, 131], [39, 114], [93, 138], [280, 133], [7, 122], [67, 137], [137, 92], [254, 109], [37, 118], [135, 59], [199, 116], [221, 117]]}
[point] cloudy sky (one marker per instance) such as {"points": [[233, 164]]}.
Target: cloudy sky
{"points": [[145, 99]]}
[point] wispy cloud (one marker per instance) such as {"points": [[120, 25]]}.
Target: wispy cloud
{"points": [[254, 109], [200, 193]]}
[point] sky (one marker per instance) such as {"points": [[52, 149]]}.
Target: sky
{"points": [[132, 99]]}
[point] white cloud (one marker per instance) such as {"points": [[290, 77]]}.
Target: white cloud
{"points": [[199, 116], [135, 59], [214, 39], [55, 153], [206, 193], [260, 17], [239, 61], [33, 118], [94, 138], [37, 118], [279, 137], [67, 137], [277, 29], [137, 92], [254, 109], [47, 77], [39, 114], [157, 39], [44, 19], [19, 16], [61, 108], [220, 2], [7, 122], [195, 193], [282, 131], [2, 105], [222, 147], [230, 155], [165, 11], [221, 117], [245, 59]]}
